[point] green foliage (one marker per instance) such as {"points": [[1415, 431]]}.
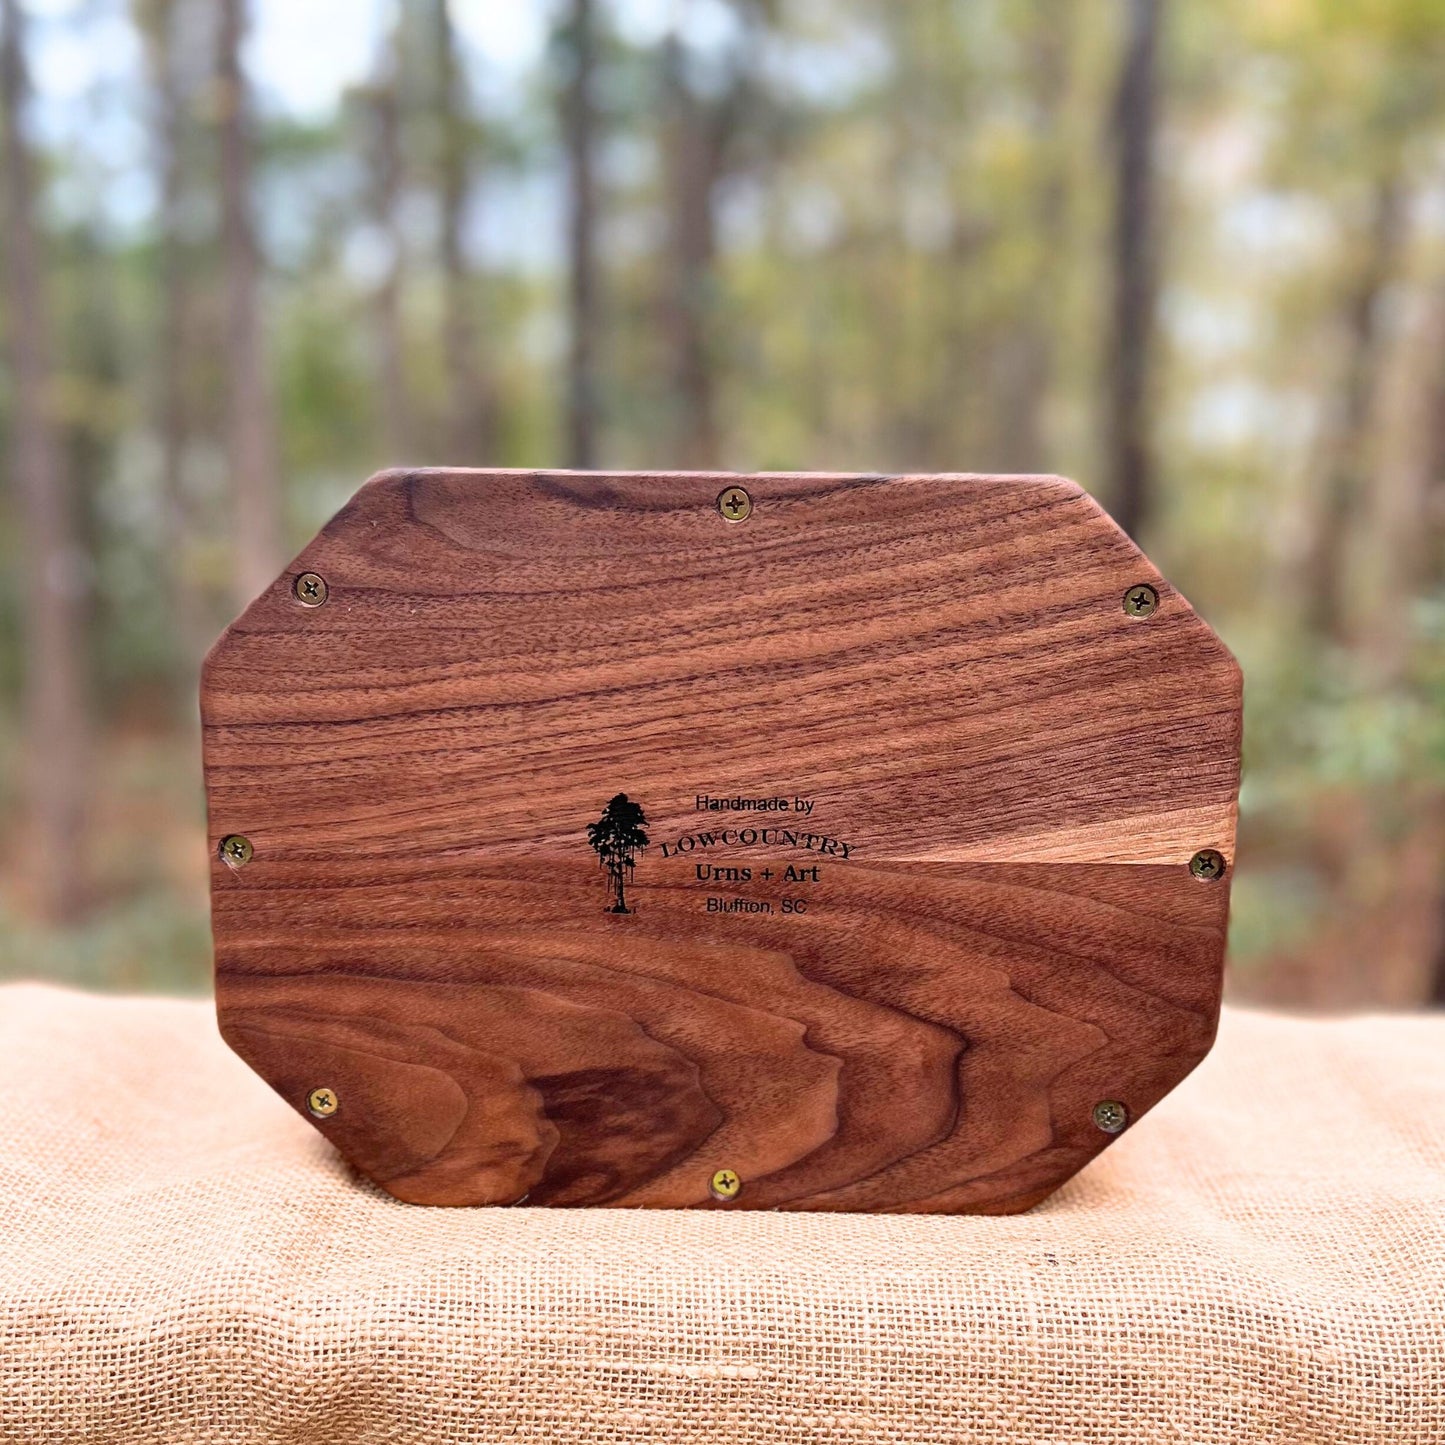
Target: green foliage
{"points": [[147, 941], [912, 271]]}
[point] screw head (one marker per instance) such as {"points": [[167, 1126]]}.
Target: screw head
{"points": [[310, 589], [1141, 600], [734, 504], [1208, 865], [725, 1185], [323, 1102], [1110, 1116], [236, 850]]}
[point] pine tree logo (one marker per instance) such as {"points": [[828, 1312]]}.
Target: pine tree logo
{"points": [[617, 837]]}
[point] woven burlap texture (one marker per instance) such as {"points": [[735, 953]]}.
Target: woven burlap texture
{"points": [[1261, 1259]]}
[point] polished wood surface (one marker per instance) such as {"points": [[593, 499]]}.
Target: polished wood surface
{"points": [[1004, 778]]}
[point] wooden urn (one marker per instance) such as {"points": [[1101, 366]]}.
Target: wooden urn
{"points": [[758, 842]]}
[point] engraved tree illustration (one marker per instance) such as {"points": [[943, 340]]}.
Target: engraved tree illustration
{"points": [[617, 837]]}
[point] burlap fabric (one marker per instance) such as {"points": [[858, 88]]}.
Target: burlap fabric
{"points": [[1262, 1259]]}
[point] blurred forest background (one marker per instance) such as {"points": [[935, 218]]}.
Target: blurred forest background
{"points": [[1190, 252]]}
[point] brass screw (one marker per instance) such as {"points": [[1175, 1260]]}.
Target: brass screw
{"points": [[1110, 1116], [1208, 865], [1141, 600], [725, 1184], [734, 504], [310, 589], [236, 850], [323, 1102]]}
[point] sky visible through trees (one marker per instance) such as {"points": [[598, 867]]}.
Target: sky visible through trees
{"points": [[1189, 252]]}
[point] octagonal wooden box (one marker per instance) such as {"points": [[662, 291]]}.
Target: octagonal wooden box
{"points": [[781, 841]]}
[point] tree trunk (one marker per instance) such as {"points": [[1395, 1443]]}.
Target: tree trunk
{"points": [[1431, 545], [385, 118], [1029, 355], [1437, 992], [1344, 454], [55, 702], [253, 451], [1394, 517], [1128, 443], [579, 120], [693, 154], [192, 627], [469, 410]]}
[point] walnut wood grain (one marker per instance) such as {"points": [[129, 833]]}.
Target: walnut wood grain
{"points": [[1012, 775]]}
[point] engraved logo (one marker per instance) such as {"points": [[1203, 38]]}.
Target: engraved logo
{"points": [[618, 837]]}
